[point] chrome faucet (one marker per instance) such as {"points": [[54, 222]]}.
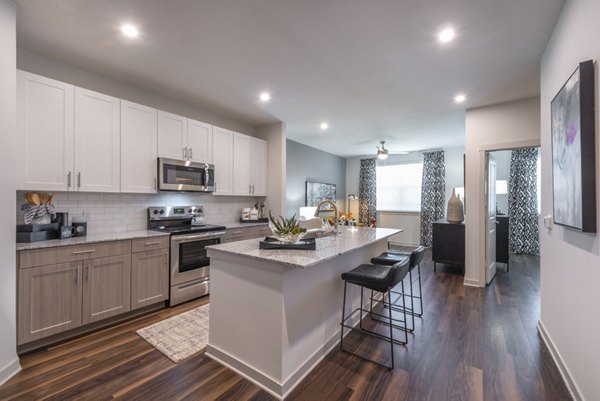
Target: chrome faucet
{"points": [[335, 209]]}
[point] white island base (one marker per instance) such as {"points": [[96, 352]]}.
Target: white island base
{"points": [[274, 314]]}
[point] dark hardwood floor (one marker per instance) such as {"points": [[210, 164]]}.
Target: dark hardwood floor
{"points": [[472, 344]]}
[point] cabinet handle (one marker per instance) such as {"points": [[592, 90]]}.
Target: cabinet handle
{"points": [[215, 184], [152, 243], [249, 189], [185, 153], [69, 180], [191, 153], [84, 252], [154, 182], [252, 189], [77, 276], [87, 273], [79, 180], [236, 232]]}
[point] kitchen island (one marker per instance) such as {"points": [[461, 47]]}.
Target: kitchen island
{"points": [[274, 314]]}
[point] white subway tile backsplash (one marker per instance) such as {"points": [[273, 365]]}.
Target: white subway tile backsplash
{"points": [[108, 213]]}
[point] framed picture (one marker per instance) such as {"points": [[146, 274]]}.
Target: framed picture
{"points": [[573, 151], [318, 191]]}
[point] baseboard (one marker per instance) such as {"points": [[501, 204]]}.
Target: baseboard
{"points": [[262, 380], [7, 372], [560, 363], [472, 283]]}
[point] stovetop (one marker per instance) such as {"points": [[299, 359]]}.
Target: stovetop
{"points": [[177, 220]]}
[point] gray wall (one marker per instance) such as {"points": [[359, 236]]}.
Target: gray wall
{"points": [[570, 260], [306, 163], [9, 364]]}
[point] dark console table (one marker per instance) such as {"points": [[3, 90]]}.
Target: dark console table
{"points": [[502, 240], [448, 243]]}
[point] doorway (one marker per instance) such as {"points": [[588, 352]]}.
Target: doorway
{"points": [[512, 207]]}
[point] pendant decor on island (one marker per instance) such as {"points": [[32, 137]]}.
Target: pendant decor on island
{"points": [[455, 212]]}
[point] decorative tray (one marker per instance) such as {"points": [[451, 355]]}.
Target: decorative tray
{"points": [[262, 220], [272, 243]]}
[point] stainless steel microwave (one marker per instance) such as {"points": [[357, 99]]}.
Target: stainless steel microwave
{"points": [[185, 176]]}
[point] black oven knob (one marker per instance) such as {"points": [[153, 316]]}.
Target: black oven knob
{"points": [[189, 210], [162, 211], [155, 211]]}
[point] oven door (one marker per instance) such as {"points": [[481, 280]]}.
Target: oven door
{"points": [[189, 260], [179, 175]]}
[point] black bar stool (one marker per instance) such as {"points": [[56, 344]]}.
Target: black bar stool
{"points": [[416, 256], [379, 278]]}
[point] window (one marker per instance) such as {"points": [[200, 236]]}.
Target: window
{"points": [[399, 187]]}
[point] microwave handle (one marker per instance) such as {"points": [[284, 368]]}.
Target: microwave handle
{"points": [[206, 176]]}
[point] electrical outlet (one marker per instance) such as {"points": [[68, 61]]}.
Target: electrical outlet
{"points": [[548, 222]]}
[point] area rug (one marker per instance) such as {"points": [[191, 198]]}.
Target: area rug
{"points": [[180, 336]]}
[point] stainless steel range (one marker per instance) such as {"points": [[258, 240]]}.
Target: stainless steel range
{"points": [[190, 265]]}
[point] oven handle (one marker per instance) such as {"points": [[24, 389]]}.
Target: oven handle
{"points": [[188, 238]]}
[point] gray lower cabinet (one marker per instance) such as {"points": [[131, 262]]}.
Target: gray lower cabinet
{"points": [[242, 233], [149, 277], [49, 301], [63, 288], [106, 287]]}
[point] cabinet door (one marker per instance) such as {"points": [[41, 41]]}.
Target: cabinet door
{"points": [[172, 136], [106, 287], [44, 159], [223, 161], [149, 278], [138, 148], [199, 141], [258, 166], [97, 164], [49, 300], [241, 165]]}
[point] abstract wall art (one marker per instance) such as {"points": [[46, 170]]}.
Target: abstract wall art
{"points": [[573, 151], [318, 191]]}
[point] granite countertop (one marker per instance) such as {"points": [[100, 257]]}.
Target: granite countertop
{"points": [[89, 239], [327, 247], [230, 226]]}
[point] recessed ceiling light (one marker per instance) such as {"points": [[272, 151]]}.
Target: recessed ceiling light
{"points": [[324, 126], [129, 30], [446, 35], [460, 98], [265, 97]]}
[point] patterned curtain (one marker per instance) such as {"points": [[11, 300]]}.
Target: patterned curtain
{"points": [[433, 193], [367, 191], [523, 233]]}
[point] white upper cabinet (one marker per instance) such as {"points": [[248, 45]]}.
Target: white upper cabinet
{"points": [[138, 148], [222, 146], [172, 136], [184, 139], [199, 141], [258, 163], [45, 133], [241, 165], [97, 142], [249, 165]]}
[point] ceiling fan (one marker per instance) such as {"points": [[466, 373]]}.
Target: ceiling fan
{"points": [[383, 153]]}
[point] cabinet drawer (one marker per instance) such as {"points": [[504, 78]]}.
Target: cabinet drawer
{"points": [[260, 231], [64, 254], [235, 234], [149, 244]]}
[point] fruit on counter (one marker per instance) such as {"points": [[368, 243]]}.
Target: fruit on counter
{"points": [[286, 226]]}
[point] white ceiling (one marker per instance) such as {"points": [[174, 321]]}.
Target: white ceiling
{"points": [[372, 69]]}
